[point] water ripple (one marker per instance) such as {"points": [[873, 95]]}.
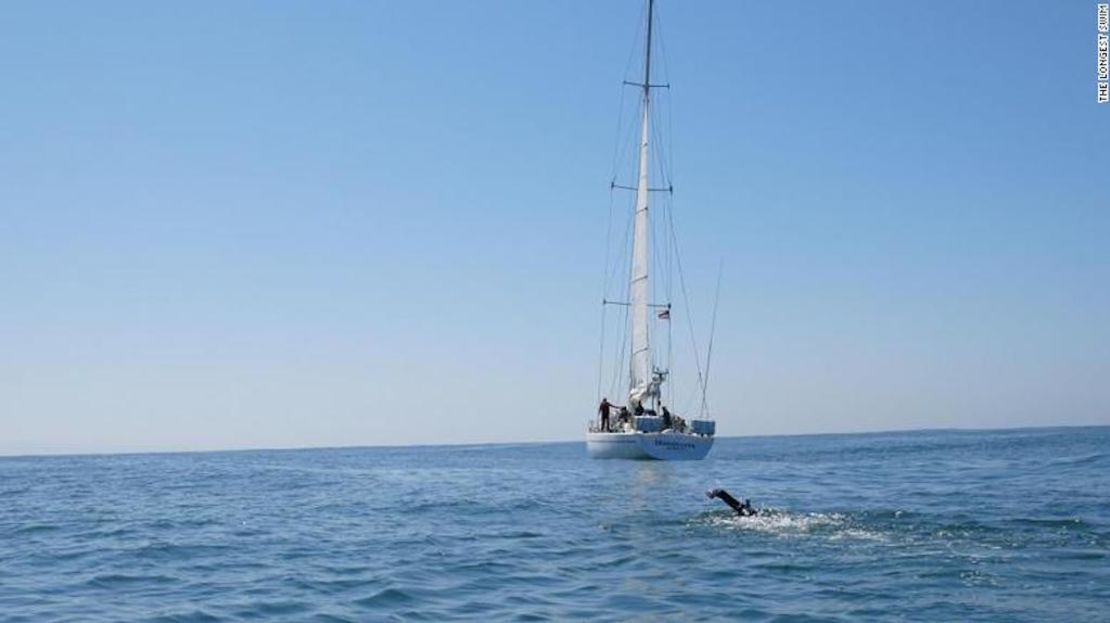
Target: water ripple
{"points": [[989, 526]]}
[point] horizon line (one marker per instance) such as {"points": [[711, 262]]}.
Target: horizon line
{"points": [[63, 454]]}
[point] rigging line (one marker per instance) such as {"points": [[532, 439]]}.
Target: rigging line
{"points": [[611, 267], [621, 147], [628, 143], [663, 150], [601, 356], [626, 265], [666, 139], [624, 141], [626, 341], [669, 250], [619, 267], [608, 248], [617, 152], [654, 240], [691, 400], [658, 222], [621, 151], [612, 270], [668, 280], [618, 364], [670, 342], [666, 74], [686, 303], [663, 140], [635, 47], [627, 135], [662, 49], [661, 157], [621, 348], [656, 130], [669, 169], [712, 332], [657, 156], [604, 287]]}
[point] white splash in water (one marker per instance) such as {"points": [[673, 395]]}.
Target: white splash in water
{"points": [[782, 523]]}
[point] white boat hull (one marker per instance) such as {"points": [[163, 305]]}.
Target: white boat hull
{"points": [[664, 446]]}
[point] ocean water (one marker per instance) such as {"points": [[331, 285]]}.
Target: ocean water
{"points": [[945, 526]]}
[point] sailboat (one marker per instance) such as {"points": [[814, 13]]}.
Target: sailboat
{"points": [[645, 428]]}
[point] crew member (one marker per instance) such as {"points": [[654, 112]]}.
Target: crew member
{"points": [[603, 411], [623, 416], [666, 419]]}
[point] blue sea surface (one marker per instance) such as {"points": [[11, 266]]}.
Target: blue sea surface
{"points": [[1007, 525]]}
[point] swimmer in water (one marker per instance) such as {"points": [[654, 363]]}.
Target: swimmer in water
{"points": [[744, 509]]}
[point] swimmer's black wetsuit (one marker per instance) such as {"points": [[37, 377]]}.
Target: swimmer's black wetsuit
{"points": [[744, 509]]}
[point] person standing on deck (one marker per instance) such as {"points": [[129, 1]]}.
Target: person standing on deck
{"points": [[603, 411]]}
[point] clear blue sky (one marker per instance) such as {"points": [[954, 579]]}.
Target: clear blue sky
{"points": [[258, 224]]}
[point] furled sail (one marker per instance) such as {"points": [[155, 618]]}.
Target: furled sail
{"points": [[642, 385], [638, 288]]}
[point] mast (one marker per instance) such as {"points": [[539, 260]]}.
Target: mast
{"points": [[640, 362]]}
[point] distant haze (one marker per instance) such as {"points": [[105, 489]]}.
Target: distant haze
{"points": [[260, 224]]}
